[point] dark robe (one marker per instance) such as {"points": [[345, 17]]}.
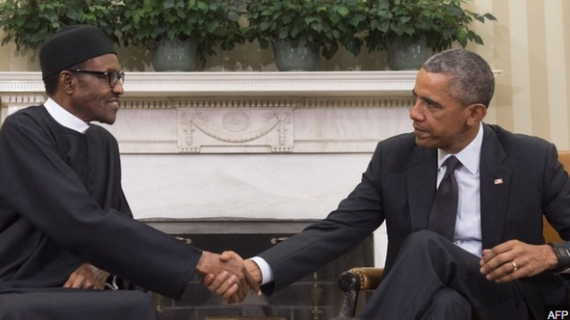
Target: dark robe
{"points": [[62, 204]]}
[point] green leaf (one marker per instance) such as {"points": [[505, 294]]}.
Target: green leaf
{"points": [[168, 4], [462, 37], [343, 11], [283, 34]]}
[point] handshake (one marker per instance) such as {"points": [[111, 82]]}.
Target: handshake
{"points": [[228, 275]]}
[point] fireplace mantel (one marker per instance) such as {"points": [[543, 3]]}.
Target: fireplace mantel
{"points": [[237, 84], [246, 112]]}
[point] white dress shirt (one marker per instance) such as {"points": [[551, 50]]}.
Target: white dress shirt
{"points": [[468, 223]]}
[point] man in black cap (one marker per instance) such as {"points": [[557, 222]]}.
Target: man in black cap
{"points": [[66, 228]]}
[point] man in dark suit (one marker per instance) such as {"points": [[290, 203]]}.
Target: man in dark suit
{"points": [[494, 265]]}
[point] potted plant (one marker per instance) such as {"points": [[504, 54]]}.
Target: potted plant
{"points": [[420, 26], [322, 25], [29, 22], [199, 26]]}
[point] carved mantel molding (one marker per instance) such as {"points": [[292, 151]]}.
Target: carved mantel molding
{"points": [[242, 84], [246, 112]]}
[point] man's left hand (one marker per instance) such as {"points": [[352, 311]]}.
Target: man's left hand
{"points": [[514, 259], [87, 277]]}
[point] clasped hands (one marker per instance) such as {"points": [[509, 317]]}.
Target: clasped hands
{"points": [[228, 275]]}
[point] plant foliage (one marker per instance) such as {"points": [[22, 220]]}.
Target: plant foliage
{"points": [[29, 22], [328, 23], [211, 23], [440, 22]]}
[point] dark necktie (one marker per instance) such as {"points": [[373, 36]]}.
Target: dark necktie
{"points": [[444, 209]]}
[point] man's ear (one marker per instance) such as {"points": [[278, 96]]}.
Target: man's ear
{"points": [[67, 81], [475, 113]]}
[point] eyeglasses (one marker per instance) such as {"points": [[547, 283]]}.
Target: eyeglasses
{"points": [[113, 77]]}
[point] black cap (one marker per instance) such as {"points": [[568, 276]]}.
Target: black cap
{"points": [[71, 45]]}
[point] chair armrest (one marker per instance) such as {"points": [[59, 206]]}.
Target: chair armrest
{"points": [[352, 282], [361, 277]]}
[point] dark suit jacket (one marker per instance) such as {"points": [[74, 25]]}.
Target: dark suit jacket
{"points": [[399, 185]]}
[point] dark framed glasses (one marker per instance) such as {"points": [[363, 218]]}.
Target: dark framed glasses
{"points": [[113, 77]]}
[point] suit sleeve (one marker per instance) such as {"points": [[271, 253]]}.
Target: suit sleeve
{"points": [[356, 217], [556, 205]]}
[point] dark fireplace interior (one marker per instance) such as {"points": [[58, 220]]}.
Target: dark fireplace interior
{"points": [[315, 296]]}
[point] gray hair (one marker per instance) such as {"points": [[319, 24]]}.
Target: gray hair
{"points": [[471, 78]]}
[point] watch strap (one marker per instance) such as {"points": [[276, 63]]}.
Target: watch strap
{"points": [[563, 257]]}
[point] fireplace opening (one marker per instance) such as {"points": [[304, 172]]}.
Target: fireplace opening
{"points": [[315, 296]]}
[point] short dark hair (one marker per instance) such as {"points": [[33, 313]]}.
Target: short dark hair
{"points": [[471, 78], [52, 81]]}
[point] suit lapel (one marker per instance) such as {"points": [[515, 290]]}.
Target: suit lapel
{"points": [[422, 178], [495, 179]]}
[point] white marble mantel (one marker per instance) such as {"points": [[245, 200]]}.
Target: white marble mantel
{"points": [[253, 145], [246, 112]]}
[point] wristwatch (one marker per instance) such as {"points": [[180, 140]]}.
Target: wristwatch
{"points": [[563, 257]]}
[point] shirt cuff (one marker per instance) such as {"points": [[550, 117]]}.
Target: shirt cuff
{"points": [[266, 272]]}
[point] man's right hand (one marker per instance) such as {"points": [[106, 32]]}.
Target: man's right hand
{"points": [[227, 275]]}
